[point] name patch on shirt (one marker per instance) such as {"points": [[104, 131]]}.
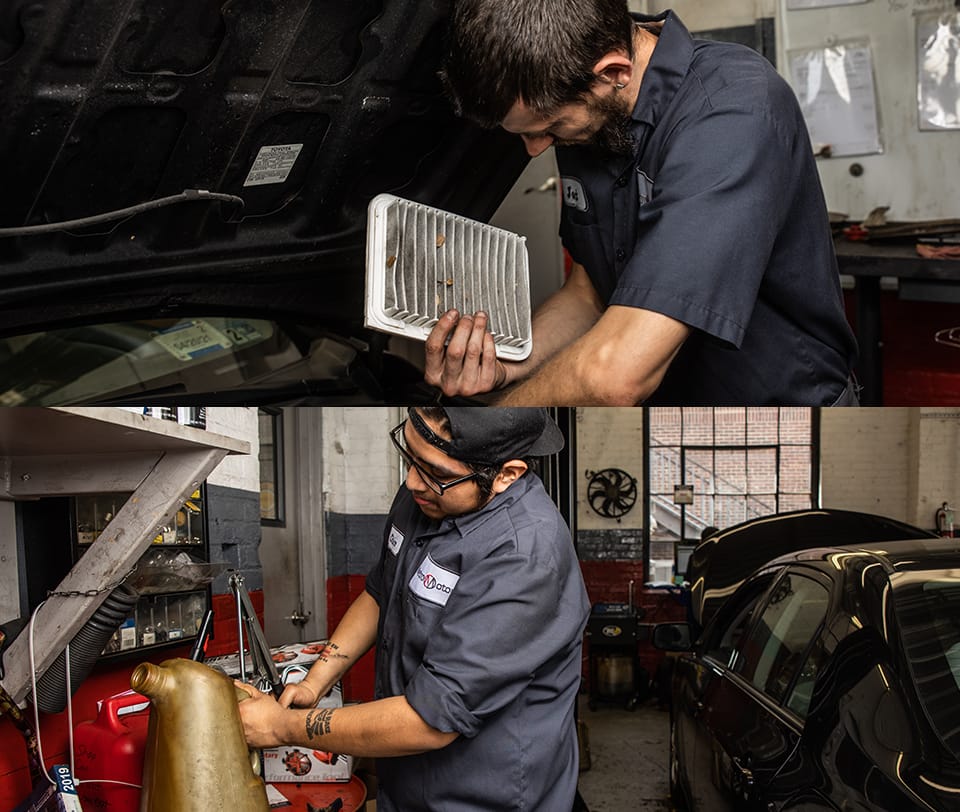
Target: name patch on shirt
{"points": [[432, 582], [573, 194], [394, 540], [644, 187]]}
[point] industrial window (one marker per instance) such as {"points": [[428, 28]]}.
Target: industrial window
{"points": [[717, 467], [271, 467]]}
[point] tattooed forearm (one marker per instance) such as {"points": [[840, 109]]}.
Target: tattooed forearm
{"points": [[318, 722], [331, 651]]}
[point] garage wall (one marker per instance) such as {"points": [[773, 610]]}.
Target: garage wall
{"points": [[361, 474], [898, 462]]}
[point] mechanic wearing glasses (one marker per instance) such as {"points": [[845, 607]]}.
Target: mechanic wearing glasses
{"points": [[478, 607]]}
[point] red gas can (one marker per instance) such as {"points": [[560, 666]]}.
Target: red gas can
{"points": [[111, 747]]}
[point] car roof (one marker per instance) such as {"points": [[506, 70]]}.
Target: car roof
{"points": [[721, 563], [303, 110]]}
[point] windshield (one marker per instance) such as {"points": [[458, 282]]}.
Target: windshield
{"points": [[927, 607], [163, 356]]}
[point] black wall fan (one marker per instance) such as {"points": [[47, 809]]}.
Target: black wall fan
{"points": [[611, 492]]}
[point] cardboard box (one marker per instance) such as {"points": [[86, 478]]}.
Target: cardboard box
{"points": [[301, 764], [296, 764], [293, 661]]}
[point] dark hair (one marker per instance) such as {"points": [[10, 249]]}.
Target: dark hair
{"points": [[539, 51], [485, 474]]}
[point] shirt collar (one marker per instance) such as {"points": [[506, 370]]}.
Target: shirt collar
{"points": [[667, 68], [470, 522]]}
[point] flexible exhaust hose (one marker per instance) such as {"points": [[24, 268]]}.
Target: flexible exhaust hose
{"points": [[85, 649]]}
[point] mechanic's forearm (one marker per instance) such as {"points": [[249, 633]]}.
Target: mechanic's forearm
{"points": [[560, 320], [620, 361], [352, 638], [385, 727]]}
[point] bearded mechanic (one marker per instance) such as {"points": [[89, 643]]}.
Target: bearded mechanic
{"points": [[478, 607], [704, 269]]}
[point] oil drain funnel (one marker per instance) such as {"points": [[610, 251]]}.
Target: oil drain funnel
{"points": [[423, 261]]}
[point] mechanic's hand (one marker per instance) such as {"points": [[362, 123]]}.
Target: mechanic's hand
{"points": [[261, 716], [466, 364], [299, 695]]}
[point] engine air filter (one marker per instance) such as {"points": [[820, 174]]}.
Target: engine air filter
{"points": [[423, 261]]}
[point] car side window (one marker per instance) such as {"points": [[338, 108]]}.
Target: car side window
{"points": [[774, 653], [723, 637]]}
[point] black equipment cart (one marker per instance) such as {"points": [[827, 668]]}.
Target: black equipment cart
{"points": [[615, 672]]}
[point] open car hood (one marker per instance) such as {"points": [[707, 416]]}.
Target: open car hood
{"points": [[302, 110], [724, 561]]}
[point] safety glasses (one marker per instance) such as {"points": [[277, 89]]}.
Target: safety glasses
{"points": [[435, 485]]}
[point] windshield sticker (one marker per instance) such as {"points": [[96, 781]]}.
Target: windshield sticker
{"points": [[242, 332], [191, 339], [273, 164], [432, 582]]}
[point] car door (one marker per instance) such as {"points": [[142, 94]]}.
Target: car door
{"points": [[693, 680], [753, 706]]}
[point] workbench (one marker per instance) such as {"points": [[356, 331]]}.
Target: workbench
{"points": [[928, 279], [70, 451]]}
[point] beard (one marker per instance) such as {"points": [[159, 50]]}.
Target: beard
{"points": [[614, 135]]}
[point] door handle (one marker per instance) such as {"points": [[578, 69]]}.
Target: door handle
{"points": [[742, 780]]}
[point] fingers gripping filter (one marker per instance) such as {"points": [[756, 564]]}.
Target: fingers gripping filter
{"points": [[422, 261]]}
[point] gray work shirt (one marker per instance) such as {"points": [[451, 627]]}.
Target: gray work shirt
{"points": [[481, 629], [718, 221]]}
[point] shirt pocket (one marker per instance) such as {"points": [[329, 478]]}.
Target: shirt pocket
{"points": [[589, 245], [420, 618]]}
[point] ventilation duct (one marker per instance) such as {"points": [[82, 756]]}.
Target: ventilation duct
{"points": [[423, 261]]}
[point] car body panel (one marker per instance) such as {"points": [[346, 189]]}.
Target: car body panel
{"points": [[720, 564], [864, 738]]}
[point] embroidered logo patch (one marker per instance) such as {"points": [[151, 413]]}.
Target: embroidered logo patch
{"points": [[573, 194], [394, 540], [432, 582]]}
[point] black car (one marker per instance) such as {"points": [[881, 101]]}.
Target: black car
{"points": [[185, 189], [828, 680], [719, 564]]}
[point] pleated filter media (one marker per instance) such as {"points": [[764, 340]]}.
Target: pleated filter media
{"points": [[423, 261]]}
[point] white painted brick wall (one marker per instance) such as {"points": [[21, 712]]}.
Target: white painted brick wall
{"points": [[609, 438], [865, 460], [361, 468], [897, 462], [240, 471], [939, 474]]}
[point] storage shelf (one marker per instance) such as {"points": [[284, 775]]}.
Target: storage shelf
{"points": [[74, 451]]}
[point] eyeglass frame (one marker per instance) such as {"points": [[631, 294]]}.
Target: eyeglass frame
{"points": [[432, 482]]}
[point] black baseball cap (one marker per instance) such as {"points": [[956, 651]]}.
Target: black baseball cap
{"points": [[483, 435]]}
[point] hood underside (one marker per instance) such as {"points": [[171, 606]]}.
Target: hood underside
{"points": [[302, 110]]}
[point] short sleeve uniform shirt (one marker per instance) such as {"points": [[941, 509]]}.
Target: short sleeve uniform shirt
{"points": [[718, 221], [481, 624]]}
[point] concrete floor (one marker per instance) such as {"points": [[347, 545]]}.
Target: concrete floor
{"points": [[628, 758]]}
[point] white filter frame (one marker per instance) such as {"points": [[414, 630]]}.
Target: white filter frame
{"points": [[463, 263]]}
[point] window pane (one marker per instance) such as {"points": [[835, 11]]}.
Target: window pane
{"points": [[762, 470], [731, 471], [773, 654], [795, 469], [731, 426]]}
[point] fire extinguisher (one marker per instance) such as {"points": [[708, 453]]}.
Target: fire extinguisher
{"points": [[945, 521]]}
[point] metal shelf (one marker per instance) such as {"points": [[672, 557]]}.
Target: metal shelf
{"points": [[70, 451]]}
